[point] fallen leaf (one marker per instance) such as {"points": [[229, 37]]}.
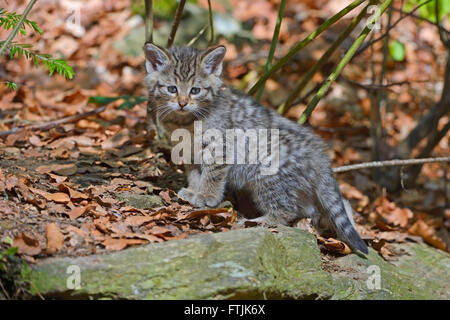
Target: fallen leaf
{"points": [[55, 238], [335, 245], [78, 211], [137, 220], [26, 244], [117, 140], [200, 213], [57, 197], [74, 195], [119, 244], [61, 169], [420, 228]]}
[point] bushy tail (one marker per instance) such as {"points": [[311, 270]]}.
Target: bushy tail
{"points": [[333, 205]]}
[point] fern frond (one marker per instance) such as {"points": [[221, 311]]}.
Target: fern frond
{"points": [[8, 20], [47, 61]]}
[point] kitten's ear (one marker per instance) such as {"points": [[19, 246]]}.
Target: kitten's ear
{"points": [[212, 60], [156, 58]]}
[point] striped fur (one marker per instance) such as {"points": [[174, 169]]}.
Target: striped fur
{"points": [[303, 187]]}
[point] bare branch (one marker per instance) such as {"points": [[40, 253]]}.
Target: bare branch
{"points": [[149, 21], [175, 23], [389, 163], [55, 123]]}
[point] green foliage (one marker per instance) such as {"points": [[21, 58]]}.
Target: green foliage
{"points": [[129, 101], [9, 20], [11, 85], [397, 50], [8, 252], [428, 11], [15, 273], [162, 8], [47, 61]]}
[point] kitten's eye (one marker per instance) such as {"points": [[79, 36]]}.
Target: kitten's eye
{"points": [[195, 90], [172, 89]]}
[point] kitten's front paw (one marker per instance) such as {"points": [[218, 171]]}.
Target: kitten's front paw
{"points": [[202, 200], [186, 194], [198, 199]]}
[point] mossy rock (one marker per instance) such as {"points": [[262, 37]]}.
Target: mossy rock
{"points": [[251, 263]]}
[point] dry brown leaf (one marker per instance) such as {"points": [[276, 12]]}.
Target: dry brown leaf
{"points": [[57, 197], [117, 140], [119, 244], [391, 213], [35, 141], [55, 238], [336, 245], [420, 228], [165, 196], [56, 178], [78, 211], [61, 169], [200, 213], [137, 220], [26, 244], [74, 195]]}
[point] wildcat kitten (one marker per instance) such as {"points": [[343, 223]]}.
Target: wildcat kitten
{"points": [[186, 82]]}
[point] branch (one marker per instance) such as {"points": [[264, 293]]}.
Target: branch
{"points": [[389, 163], [273, 45], [345, 60], [175, 23], [211, 23], [412, 15], [55, 123], [149, 21], [283, 108], [300, 45], [17, 27], [368, 44]]}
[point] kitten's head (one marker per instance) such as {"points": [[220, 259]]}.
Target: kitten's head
{"points": [[183, 80]]}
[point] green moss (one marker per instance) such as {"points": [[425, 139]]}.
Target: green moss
{"points": [[248, 264]]}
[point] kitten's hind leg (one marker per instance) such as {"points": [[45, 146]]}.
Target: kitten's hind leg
{"points": [[272, 219]]}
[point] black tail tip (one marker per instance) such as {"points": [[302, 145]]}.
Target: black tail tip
{"points": [[355, 242], [362, 247]]}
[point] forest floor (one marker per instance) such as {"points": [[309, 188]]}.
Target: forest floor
{"points": [[95, 185]]}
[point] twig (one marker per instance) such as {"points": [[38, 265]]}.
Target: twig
{"points": [[370, 43], [283, 108], [438, 25], [433, 140], [300, 45], [273, 46], [17, 27], [412, 15], [149, 21], [372, 86], [389, 163], [197, 36], [55, 123], [345, 60], [175, 23], [211, 23]]}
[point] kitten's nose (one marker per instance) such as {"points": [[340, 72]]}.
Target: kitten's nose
{"points": [[182, 103]]}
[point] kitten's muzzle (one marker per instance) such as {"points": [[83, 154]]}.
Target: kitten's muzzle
{"points": [[182, 104]]}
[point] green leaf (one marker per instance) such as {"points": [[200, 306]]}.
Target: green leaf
{"points": [[130, 101], [100, 100], [8, 240], [10, 251], [397, 50], [11, 85]]}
